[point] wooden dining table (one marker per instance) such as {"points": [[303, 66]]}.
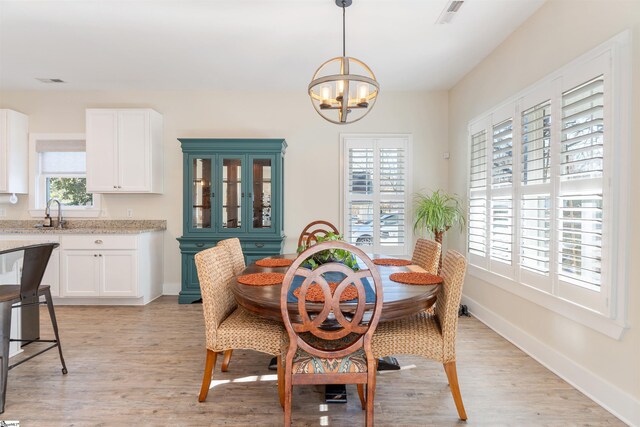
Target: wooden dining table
{"points": [[399, 300]]}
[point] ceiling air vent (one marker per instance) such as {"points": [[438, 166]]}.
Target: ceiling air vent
{"points": [[449, 11], [51, 80]]}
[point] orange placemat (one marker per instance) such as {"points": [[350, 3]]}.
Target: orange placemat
{"points": [[413, 278], [315, 294], [274, 262], [394, 262], [261, 279]]}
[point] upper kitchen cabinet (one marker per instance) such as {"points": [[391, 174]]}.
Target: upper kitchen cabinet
{"points": [[124, 151], [14, 145]]}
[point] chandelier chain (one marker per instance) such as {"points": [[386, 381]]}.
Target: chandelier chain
{"points": [[344, 37]]}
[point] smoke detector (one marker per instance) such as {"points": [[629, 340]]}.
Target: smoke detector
{"points": [[449, 12]]}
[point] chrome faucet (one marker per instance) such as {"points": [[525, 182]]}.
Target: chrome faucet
{"points": [[47, 212]]}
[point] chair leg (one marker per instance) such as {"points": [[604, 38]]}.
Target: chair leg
{"points": [[452, 375], [226, 360], [280, 382], [5, 332], [54, 323], [288, 392], [371, 389], [361, 395], [208, 371]]}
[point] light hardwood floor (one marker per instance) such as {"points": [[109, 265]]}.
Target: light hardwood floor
{"points": [[143, 366]]}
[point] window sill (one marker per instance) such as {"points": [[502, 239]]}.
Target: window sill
{"points": [[613, 328], [67, 213]]}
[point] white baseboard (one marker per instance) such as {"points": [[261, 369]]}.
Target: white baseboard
{"points": [[618, 402], [171, 288]]}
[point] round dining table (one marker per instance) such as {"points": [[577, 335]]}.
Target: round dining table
{"points": [[399, 300]]}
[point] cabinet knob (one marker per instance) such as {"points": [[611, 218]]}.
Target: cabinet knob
{"points": [[259, 245], [98, 242], [199, 245], [100, 255], [115, 186], [119, 186], [95, 256]]}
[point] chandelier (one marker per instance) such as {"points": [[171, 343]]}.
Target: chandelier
{"points": [[343, 89]]}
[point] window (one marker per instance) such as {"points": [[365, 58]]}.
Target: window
{"points": [[376, 192], [58, 167], [63, 177], [545, 205]]}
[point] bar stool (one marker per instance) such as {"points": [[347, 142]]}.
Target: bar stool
{"points": [[26, 294]]}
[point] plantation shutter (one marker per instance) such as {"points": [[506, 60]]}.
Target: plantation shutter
{"points": [[477, 232], [359, 195], [502, 229], [502, 170], [580, 209], [376, 216], [535, 177]]}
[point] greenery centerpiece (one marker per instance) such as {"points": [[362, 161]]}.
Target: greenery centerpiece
{"points": [[330, 255], [438, 212]]}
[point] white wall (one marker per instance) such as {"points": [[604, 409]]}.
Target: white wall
{"points": [[606, 369], [311, 161]]}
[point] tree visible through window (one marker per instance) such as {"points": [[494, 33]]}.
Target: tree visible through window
{"points": [[69, 191]]}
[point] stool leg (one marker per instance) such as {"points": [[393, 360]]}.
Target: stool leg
{"points": [[5, 332], [54, 323]]}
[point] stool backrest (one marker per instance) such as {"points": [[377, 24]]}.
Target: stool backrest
{"points": [[34, 264]]}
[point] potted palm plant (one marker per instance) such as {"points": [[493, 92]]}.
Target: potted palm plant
{"points": [[436, 213]]}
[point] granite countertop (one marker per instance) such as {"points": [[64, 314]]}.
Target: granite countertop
{"points": [[73, 226]]}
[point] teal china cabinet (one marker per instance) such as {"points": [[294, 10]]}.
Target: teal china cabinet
{"points": [[232, 188]]}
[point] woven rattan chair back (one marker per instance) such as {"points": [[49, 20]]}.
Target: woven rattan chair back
{"points": [[453, 271], [426, 254], [311, 232], [214, 273], [234, 248]]}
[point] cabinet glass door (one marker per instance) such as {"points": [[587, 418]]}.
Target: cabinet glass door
{"points": [[201, 187], [232, 193], [262, 214]]}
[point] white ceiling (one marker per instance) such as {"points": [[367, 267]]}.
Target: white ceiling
{"points": [[243, 44]]}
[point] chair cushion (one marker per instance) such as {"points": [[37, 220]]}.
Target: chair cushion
{"points": [[245, 330], [305, 363], [418, 335]]}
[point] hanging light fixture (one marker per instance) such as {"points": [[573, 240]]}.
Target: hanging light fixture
{"points": [[343, 89]]}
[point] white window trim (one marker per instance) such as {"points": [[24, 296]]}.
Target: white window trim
{"points": [[37, 211], [408, 217], [613, 322]]}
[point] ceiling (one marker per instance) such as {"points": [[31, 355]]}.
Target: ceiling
{"points": [[243, 45]]}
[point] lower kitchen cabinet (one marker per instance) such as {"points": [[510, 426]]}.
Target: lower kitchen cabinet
{"points": [[100, 274], [127, 268]]}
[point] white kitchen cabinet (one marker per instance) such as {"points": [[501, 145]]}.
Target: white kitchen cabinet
{"points": [[81, 274], [14, 144], [127, 268], [99, 274], [124, 151]]}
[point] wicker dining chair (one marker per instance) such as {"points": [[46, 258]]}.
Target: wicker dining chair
{"points": [[431, 336], [314, 229], [229, 326], [235, 251], [330, 347], [426, 254]]}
